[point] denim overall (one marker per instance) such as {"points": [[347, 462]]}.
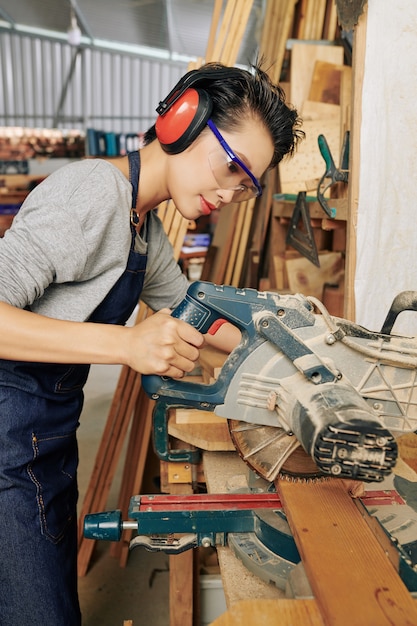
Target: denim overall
{"points": [[40, 405]]}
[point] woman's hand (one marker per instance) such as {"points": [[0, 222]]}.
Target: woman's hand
{"points": [[161, 344], [164, 345]]}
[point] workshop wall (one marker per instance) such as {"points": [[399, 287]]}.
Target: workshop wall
{"points": [[50, 84], [386, 222]]}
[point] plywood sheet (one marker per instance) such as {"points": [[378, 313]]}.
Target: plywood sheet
{"points": [[308, 163], [314, 111], [306, 278], [303, 59]]}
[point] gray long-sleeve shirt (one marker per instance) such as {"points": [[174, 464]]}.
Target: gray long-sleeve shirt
{"points": [[70, 241]]}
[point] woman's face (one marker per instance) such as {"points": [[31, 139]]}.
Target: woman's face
{"points": [[203, 178]]}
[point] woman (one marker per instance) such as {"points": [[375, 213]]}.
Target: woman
{"points": [[85, 246]]}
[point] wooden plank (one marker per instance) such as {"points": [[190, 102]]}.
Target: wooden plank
{"points": [[308, 163], [330, 21], [210, 436], [313, 111], [242, 250], [194, 416], [285, 208], [276, 30], [306, 278], [303, 59], [235, 242], [237, 30], [222, 242], [278, 246], [358, 68], [326, 83], [353, 581], [218, 52], [268, 612], [215, 19], [134, 468], [181, 570], [106, 464]]}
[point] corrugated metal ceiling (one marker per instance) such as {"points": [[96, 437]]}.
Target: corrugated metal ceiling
{"points": [[179, 26]]}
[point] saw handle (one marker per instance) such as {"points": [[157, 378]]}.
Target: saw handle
{"points": [[206, 303]]}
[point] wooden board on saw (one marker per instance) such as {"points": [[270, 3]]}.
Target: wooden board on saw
{"points": [[407, 448], [352, 579], [306, 278], [303, 60], [211, 434], [283, 612], [308, 163]]}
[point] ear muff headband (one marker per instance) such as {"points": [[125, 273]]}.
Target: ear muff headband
{"points": [[185, 111]]}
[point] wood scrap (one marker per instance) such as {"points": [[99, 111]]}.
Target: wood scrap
{"points": [[326, 82], [276, 30], [303, 59], [309, 280], [358, 69]]}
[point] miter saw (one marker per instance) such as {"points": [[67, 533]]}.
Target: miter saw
{"points": [[307, 396], [304, 393]]}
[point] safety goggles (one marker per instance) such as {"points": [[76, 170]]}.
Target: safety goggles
{"points": [[229, 170]]}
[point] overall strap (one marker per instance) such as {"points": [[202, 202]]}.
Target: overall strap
{"points": [[134, 169]]}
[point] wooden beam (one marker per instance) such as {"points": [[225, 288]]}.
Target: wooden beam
{"points": [[353, 581], [268, 612], [358, 70]]}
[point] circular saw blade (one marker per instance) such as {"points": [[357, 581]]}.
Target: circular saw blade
{"points": [[270, 451]]}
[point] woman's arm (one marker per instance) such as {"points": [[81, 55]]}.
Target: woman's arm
{"points": [[159, 345]]}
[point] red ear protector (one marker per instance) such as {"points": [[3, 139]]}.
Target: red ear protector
{"points": [[183, 120], [185, 111]]}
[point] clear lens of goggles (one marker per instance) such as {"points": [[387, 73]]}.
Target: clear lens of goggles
{"points": [[229, 175]]}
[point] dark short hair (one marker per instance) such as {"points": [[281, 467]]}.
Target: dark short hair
{"points": [[250, 93]]}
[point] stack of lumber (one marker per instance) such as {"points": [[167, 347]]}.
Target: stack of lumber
{"points": [[320, 88], [249, 246]]}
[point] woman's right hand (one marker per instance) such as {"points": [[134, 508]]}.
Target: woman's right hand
{"points": [[164, 345]]}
